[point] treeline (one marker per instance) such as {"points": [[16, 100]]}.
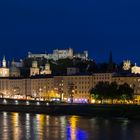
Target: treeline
{"points": [[105, 91]]}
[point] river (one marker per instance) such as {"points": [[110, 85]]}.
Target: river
{"points": [[20, 126]]}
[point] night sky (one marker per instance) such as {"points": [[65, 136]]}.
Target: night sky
{"points": [[95, 25]]}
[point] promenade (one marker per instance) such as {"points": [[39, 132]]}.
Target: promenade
{"points": [[89, 110]]}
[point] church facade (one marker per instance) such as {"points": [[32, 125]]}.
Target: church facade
{"points": [[35, 70], [4, 71]]}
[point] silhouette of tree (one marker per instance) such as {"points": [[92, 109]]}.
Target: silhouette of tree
{"points": [[104, 91]]}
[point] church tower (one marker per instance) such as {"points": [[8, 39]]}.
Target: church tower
{"points": [[34, 70], [126, 65], [4, 72], [4, 62], [47, 70], [13, 63], [110, 63], [14, 71]]}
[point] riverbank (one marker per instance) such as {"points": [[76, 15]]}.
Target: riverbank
{"points": [[107, 111]]}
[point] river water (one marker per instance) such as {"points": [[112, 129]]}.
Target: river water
{"points": [[20, 126]]}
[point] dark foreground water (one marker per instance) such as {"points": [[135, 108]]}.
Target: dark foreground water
{"points": [[18, 126]]}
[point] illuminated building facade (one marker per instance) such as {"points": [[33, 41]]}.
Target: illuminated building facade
{"points": [[34, 70], [46, 70], [79, 85], [68, 88], [34, 87], [135, 69], [60, 54], [10, 71], [41, 87], [64, 87], [126, 65], [4, 71]]}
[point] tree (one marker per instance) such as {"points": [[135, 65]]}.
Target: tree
{"points": [[125, 92], [94, 94], [111, 91], [100, 91]]}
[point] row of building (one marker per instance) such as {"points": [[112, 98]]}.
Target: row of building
{"points": [[42, 84], [14, 70], [74, 87]]}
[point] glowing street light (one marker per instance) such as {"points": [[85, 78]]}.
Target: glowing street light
{"points": [[16, 102], [5, 101], [27, 103], [38, 103]]}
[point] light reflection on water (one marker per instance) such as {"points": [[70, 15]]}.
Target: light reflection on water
{"points": [[73, 132], [28, 128], [18, 126], [15, 123], [5, 126]]}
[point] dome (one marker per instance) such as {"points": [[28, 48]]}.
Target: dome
{"points": [[14, 71]]}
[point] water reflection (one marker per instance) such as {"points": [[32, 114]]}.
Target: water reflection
{"points": [[73, 129], [5, 126], [18, 126], [15, 126], [74, 133], [40, 119], [28, 127], [63, 124]]}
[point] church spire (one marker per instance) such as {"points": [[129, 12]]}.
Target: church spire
{"points": [[110, 63], [4, 62], [13, 62]]}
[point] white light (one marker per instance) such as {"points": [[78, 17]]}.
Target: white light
{"points": [[47, 104], [38, 103], [5, 101], [27, 103], [5, 114], [16, 102], [27, 117]]}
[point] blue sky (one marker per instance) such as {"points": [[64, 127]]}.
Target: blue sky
{"points": [[95, 25]]}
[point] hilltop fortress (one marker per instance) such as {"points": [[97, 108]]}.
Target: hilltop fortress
{"points": [[60, 54]]}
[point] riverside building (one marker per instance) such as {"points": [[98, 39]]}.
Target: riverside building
{"points": [[51, 87], [67, 87]]}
